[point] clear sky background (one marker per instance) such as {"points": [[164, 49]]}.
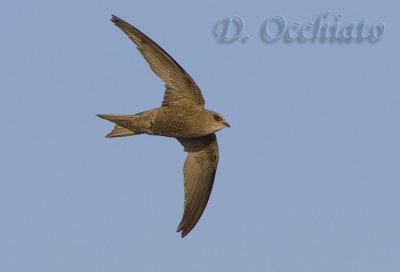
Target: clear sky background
{"points": [[309, 171]]}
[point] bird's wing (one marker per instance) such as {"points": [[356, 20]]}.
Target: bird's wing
{"points": [[199, 172], [180, 87]]}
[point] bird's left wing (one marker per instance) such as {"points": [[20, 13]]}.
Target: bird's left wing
{"points": [[199, 173], [180, 87]]}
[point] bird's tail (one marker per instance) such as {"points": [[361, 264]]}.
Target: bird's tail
{"points": [[119, 129]]}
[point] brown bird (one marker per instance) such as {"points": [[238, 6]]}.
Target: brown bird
{"points": [[182, 116]]}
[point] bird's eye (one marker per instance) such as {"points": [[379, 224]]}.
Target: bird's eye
{"points": [[217, 118]]}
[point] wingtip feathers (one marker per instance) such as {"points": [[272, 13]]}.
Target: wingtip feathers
{"points": [[114, 19]]}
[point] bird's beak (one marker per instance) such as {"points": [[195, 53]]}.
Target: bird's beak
{"points": [[227, 124]]}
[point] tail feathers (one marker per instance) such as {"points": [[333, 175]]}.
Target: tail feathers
{"points": [[119, 131], [116, 117], [120, 121]]}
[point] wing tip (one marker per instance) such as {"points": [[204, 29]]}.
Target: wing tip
{"points": [[114, 19], [102, 116], [184, 232], [184, 228]]}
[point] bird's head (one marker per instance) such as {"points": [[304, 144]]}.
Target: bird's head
{"points": [[215, 121]]}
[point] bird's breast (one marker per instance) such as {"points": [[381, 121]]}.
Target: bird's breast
{"points": [[177, 122]]}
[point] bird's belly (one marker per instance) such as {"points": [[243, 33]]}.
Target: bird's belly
{"points": [[177, 122], [175, 128]]}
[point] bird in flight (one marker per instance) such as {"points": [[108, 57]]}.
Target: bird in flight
{"points": [[182, 115]]}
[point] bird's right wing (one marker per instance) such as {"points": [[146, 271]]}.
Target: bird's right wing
{"points": [[180, 87], [199, 172]]}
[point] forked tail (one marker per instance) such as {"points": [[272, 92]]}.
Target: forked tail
{"points": [[120, 121]]}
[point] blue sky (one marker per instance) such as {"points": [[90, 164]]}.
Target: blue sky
{"points": [[309, 174]]}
